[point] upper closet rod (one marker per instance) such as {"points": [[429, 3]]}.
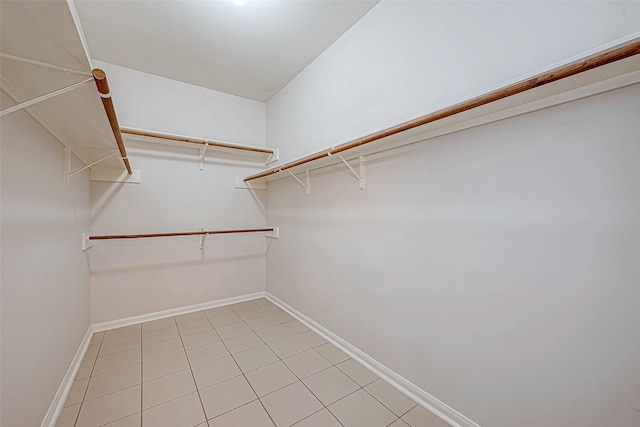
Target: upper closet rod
{"points": [[105, 94], [182, 233], [615, 54], [197, 141]]}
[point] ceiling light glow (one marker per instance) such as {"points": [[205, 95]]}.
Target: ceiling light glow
{"points": [[239, 2]]}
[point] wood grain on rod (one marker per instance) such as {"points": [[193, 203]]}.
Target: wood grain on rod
{"points": [[103, 87], [594, 61], [196, 141], [180, 233]]}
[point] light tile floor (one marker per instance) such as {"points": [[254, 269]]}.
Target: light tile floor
{"points": [[247, 364]]}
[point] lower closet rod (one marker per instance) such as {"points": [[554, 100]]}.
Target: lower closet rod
{"points": [[181, 233]]}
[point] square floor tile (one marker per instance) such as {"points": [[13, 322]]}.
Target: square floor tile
{"points": [[85, 369], [251, 415], [296, 327], [270, 378], [194, 327], [76, 393], [322, 418], [206, 353], [216, 371], [273, 333], [190, 317], [225, 396], [225, 319], [330, 385], [421, 417], [154, 325], [160, 335], [261, 322], [312, 338], [118, 345], [167, 388], [134, 420], [116, 361], [183, 411], [357, 372], [283, 317], [157, 368], [68, 415], [390, 397], [332, 353], [162, 349], [306, 363], [399, 423], [200, 339], [359, 409], [125, 331], [96, 338], [109, 382], [249, 360], [110, 407], [92, 351], [290, 404], [288, 346], [243, 342], [218, 311], [233, 330], [250, 312]]}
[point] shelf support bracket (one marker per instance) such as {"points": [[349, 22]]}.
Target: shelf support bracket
{"points": [[275, 234], [86, 243], [308, 184], [93, 163], [67, 166], [273, 157], [202, 238], [203, 153], [44, 97], [359, 176]]}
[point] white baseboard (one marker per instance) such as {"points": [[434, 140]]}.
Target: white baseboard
{"points": [[51, 417], [97, 327], [441, 409]]}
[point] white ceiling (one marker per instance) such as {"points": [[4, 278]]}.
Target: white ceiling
{"points": [[250, 51]]}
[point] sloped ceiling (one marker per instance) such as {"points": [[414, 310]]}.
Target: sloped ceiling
{"points": [[250, 51]]}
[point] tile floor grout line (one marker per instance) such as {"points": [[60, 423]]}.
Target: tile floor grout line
{"points": [[85, 390], [399, 416], [193, 377]]}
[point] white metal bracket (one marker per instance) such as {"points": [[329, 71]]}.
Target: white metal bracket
{"points": [[93, 163], [86, 243], [67, 165], [44, 97], [275, 234], [307, 186], [203, 153], [359, 176], [202, 238], [273, 157]]}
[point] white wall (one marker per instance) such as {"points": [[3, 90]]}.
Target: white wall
{"points": [[45, 276], [134, 277], [407, 58], [150, 102], [495, 268]]}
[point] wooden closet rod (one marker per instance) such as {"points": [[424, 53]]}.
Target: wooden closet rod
{"points": [[197, 141], [105, 94], [181, 233], [617, 53]]}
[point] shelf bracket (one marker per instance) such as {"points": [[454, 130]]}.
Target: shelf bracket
{"points": [[203, 153], [93, 163], [275, 234], [308, 184], [86, 243], [44, 97], [67, 166], [202, 237], [359, 176], [273, 157]]}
